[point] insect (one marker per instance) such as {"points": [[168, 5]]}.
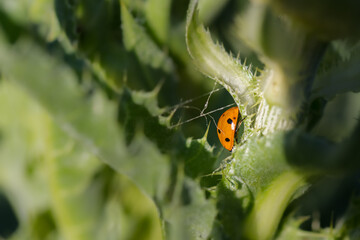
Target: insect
{"points": [[227, 126]]}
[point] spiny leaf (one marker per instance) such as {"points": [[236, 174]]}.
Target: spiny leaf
{"points": [[139, 110], [158, 17], [137, 40], [199, 158], [197, 214], [213, 61], [260, 172], [254, 163], [84, 198], [290, 56], [91, 121]]}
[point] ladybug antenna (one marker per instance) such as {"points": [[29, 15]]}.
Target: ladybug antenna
{"points": [[208, 99], [203, 115]]}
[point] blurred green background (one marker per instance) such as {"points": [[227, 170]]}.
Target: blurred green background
{"points": [[87, 89], [52, 187]]}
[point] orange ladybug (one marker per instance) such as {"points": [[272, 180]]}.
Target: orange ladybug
{"points": [[227, 126]]}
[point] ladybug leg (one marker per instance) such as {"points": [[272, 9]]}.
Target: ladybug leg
{"points": [[223, 165], [237, 129], [236, 137], [239, 124]]}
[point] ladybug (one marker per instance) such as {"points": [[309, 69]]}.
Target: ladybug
{"points": [[227, 126]]}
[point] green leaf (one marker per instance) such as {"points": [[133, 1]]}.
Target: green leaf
{"points": [[338, 80], [158, 18], [193, 220], [22, 171], [261, 174], [65, 12], [317, 155], [289, 54], [199, 158], [271, 204], [254, 163], [336, 121], [292, 230], [18, 10], [213, 61], [139, 110], [12, 30], [76, 200], [137, 40], [83, 198], [92, 121]]}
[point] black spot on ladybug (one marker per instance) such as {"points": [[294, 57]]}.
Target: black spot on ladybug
{"points": [[227, 140], [234, 118], [219, 131], [223, 114], [229, 121]]}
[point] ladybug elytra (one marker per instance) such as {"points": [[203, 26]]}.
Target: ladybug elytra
{"points": [[227, 126]]}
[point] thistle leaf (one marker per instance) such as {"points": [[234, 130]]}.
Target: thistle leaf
{"points": [[137, 40], [214, 62]]}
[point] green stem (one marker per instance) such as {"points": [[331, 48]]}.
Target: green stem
{"points": [[270, 205]]}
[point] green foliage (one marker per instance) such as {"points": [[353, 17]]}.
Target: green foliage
{"points": [[90, 98]]}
